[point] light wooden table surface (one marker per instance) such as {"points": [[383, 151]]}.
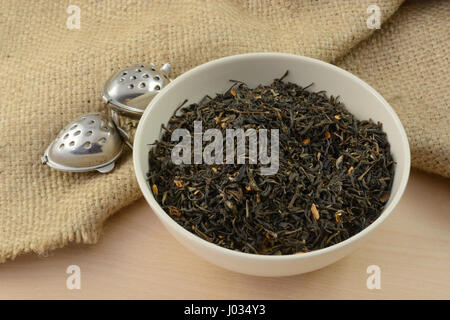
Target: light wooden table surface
{"points": [[137, 258]]}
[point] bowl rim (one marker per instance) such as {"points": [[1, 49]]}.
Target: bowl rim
{"points": [[138, 141]]}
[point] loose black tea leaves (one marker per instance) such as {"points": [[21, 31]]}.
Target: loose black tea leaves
{"points": [[334, 175]]}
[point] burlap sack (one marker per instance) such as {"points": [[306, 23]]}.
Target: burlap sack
{"points": [[408, 62], [52, 74]]}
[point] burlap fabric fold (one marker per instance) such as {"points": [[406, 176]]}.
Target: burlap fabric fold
{"points": [[52, 74]]}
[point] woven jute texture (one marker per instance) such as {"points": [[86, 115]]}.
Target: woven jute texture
{"points": [[51, 75], [408, 62]]}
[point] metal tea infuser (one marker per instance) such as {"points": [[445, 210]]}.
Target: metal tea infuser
{"points": [[95, 141]]}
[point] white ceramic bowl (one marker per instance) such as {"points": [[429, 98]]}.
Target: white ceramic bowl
{"points": [[261, 68]]}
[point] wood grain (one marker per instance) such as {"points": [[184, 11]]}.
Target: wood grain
{"points": [[138, 259]]}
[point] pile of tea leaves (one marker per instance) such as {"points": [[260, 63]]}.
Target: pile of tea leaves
{"points": [[334, 178]]}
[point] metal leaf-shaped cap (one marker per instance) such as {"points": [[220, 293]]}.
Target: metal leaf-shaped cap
{"points": [[91, 142], [130, 90]]}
